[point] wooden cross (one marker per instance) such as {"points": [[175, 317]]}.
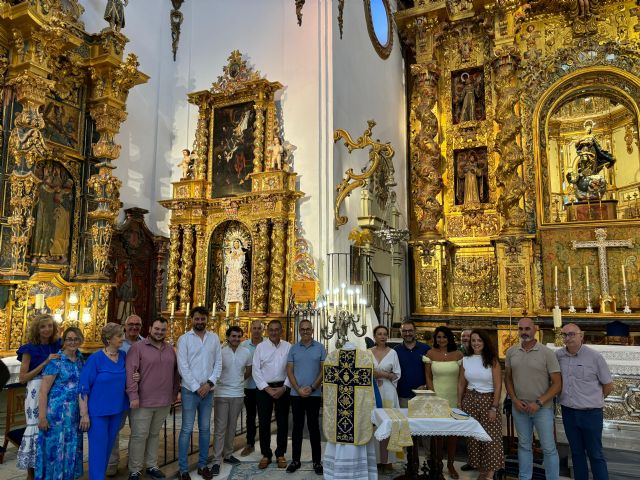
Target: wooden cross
{"points": [[346, 377], [601, 243]]}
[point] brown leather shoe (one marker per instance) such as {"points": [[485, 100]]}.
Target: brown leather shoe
{"points": [[264, 463], [282, 462], [248, 450]]}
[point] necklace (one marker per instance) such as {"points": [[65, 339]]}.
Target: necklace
{"points": [[108, 353]]}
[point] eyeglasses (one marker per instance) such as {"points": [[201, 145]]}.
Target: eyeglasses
{"points": [[407, 331], [569, 334], [134, 325]]}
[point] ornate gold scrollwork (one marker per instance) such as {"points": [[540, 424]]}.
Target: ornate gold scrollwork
{"points": [[261, 233], [379, 152]]}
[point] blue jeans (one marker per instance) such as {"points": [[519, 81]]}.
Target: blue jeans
{"points": [[583, 429], [542, 420], [191, 402]]}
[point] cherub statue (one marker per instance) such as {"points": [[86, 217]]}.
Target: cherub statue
{"points": [[186, 164], [276, 150], [114, 13]]}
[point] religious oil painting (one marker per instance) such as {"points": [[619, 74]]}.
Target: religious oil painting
{"points": [[233, 149], [467, 95], [62, 124], [53, 214], [471, 176]]}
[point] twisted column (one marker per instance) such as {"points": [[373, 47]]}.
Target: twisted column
{"points": [[278, 262], [186, 269], [172, 269], [261, 265], [258, 160], [426, 179], [201, 143], [201, 255]]}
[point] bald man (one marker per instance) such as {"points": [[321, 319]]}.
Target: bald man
{"points": [[586, 382], [532, 378], [257, 334]]}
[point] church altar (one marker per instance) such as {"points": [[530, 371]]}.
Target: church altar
{"points": [[622, 407], [427, 427]]}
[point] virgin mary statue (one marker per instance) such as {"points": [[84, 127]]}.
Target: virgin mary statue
{"points": [[233, 264]]}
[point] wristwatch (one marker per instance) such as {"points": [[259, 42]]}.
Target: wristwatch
{"points": [[539, 403], [210, 383]]}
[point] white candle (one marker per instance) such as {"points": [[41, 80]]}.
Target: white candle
{"points": [[40, 301], [555, 277], [569, 275], [214, 309], [586, 275], [237, 309], [188, 310], [173, 308], [342, 292], [227, 312], [350, 293], [624, 278]]}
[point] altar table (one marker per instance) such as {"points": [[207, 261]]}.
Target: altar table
{"points": [[428, 427]]}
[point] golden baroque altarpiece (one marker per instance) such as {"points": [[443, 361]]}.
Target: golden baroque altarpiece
{"points": [[64, 95], [233, 236], [497, 88]]}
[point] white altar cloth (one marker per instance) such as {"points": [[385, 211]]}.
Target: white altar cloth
{"points": [[13, 365], [428, 427]]}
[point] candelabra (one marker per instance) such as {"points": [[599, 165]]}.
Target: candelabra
{"points": [[626, 308], [558, 337], [589, 307], [572, 308], [339, 324]]}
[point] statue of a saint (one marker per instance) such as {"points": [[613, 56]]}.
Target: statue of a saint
{"points": [[468, 109], [592, 158], [471, 171], [276, 150], [233, 264], [114, 13], [186, 164]]}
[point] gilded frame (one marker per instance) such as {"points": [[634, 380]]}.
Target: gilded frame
{"points": [[383, 51]]}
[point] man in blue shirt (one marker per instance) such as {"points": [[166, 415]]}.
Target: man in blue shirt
{"points": [[410, 353], [304, 369]]}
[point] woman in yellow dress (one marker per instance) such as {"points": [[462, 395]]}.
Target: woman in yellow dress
{"points": [[442, 369]]}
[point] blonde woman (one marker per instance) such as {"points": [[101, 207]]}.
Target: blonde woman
{"points": [[42, 346]]}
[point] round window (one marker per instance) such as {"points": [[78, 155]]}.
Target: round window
{"points": [[379, 25]]}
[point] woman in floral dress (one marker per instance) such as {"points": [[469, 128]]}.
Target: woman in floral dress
{"points": [[42, 347], [60, 438]]}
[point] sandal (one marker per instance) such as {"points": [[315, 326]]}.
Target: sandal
{"points": [[452, 471]]}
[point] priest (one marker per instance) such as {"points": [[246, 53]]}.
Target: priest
{"points": [[348, 400]]}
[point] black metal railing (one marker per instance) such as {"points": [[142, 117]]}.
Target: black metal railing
{"points": [[381, 302]]}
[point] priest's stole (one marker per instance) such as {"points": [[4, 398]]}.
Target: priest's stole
{"points": [[348, 398]]}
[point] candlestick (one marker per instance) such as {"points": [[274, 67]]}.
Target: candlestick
{"points": [[342, 292], [569, 276], [188, 310], [586, 275], [624, 278], [350, 294], [572, 308], [237, 309], [555, 277], [173, 308], [589, 308], [214, 309], [626, 308], [227, 312]]}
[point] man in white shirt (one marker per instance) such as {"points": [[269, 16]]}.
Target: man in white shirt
{"points": [[200, 365], [269, 371], [236, 367], [257, 332]]}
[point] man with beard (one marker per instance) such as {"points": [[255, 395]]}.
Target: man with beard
{"points": [[257, 330], [532, 378], [200, 365], [151, 397], [410, 353]]}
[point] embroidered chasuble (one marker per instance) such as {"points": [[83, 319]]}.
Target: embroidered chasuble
{"points": [[348, 398]]}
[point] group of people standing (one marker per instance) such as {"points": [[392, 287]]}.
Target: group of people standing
{"points": [[141, 378]]}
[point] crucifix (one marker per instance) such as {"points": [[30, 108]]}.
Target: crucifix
{"points": [[601, 243]]}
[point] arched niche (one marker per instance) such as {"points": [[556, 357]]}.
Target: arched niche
{"points": [[604, 98], [229, 278]]}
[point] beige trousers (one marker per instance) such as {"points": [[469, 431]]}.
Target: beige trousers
{"points": [[225, 420], [143, 442]]}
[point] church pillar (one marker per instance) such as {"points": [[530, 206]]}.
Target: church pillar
{"points": [[200, 281], [508, 171], [258, 146], [261, 259], [186, 267], [27, 147], [172, 269], [278, 261], [201, 143]]}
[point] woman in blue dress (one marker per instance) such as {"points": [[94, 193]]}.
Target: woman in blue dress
{"points": [[103, 398], [60, 438], [41, 348]]}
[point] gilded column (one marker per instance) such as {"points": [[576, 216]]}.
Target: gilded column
{"points": [[201, 143], [258, 147], [426, 177], [261, 266], [186, 268], [508, 171], [278, 262], [199, 297], [26, 147], [162, 246], [172, 269]]}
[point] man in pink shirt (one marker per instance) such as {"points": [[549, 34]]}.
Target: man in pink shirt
{"points": [[151, 397]]}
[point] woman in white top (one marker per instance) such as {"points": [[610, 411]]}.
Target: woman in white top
{"points": [[479, 389], [386, 370]]}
